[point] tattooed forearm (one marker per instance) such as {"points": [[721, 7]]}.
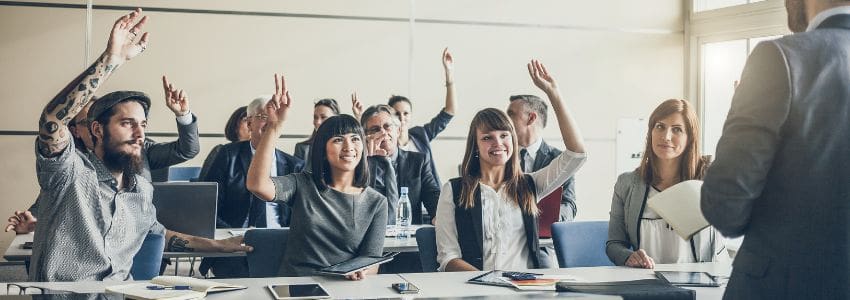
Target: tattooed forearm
{"points": [[177, 244], [68, 103]]}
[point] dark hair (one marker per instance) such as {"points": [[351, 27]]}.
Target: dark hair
{"points": [[396, 99], [320, 168], [535, 104], [515, 184], [103, 118], [231, 129], [329, 103], [693, 165]]}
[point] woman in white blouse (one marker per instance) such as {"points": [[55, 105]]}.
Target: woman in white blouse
{"points": [[487, 218], [639, 237]]}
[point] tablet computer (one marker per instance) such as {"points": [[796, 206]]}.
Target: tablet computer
{"points": [[356, 264], [688, 278], [490, 278], [298, 291]]}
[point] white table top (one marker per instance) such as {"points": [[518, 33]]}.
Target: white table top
{"points": [[16, 252], [430, 284]]}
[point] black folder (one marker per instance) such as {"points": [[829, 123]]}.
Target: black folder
{"points": [[630, 290]]}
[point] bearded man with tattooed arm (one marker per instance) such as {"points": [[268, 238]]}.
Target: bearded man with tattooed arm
{"points": [[97, 208]]}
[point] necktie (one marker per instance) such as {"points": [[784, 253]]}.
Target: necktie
{"points": [[523, 157], [391, 184]]}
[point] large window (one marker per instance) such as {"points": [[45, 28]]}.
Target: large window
{"points": [[721, 65], [703, 5]]}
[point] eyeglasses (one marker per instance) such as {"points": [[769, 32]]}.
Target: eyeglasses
{"points": [[376, 129], [22, 289]]}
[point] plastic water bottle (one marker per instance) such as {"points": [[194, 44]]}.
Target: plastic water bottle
{"points": [[403, 215]]}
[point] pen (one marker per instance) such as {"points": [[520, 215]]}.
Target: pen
{"points": [[176, 287]]}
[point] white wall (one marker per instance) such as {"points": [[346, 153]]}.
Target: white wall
{"points": [[612, 58]]}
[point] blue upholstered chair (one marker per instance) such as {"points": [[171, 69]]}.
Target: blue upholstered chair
{"points": [[426, 240], [269, 245], [146, 262], [581, 243], [184, 173]]}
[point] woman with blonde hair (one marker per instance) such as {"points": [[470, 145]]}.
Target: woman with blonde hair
{"points": [[487, 218], [637, 235]]}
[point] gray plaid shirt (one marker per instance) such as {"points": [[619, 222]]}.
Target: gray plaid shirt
{"points": [[88, 230]]}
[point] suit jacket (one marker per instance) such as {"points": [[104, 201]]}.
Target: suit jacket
{"points": [[414, 172], [163, 155], [627, 207], [235, 203], [422, 136], [544, 156], [782, 173]]}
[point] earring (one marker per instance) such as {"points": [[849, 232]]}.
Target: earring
{"points": [[475, 154]]}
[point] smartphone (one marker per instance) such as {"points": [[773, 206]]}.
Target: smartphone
{"points": [[405, 288]]}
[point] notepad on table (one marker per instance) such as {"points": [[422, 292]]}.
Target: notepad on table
{"points": [[679, 206], [163, 287]]}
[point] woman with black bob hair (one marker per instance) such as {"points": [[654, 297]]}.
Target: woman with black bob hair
{"points": [[336, 216], [487, 218]]}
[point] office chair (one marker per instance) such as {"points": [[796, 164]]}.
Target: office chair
{"points": [[426, 240], [581, 243], [269, 246], [146, 262], [184, 173]]}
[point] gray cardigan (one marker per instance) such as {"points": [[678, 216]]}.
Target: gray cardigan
{"points": [[624, 224]]}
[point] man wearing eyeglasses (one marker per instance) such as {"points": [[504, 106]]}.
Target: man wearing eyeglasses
{"points": [[394, 168], [237, 207]]}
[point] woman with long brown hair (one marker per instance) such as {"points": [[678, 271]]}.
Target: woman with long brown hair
{"points": [[487, 218], [637, 235]]}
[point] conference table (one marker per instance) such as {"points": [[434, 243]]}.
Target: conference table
{"points": [[431, 285], [16, 251]]}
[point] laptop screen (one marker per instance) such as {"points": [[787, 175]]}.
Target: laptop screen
{"points": [[187, 207]]}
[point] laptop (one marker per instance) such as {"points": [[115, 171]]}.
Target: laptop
{"points": [[187, 207], [550, 212]]}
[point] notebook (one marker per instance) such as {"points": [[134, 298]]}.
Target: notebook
{"points": [[150, 291], [679, 206], [550, 212]]}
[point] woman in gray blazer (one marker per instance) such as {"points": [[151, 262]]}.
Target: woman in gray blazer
{"points": [[639, 237]]}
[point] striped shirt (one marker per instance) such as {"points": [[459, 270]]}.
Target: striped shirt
{"points": [[88, 229]]}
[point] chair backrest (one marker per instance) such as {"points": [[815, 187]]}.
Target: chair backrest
{"points": [[187, 207], [581, 243], [426, 240], [184, 173], [269, 245], [146, 262]]}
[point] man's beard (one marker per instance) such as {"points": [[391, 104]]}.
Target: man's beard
{"points": [[115, 160]]}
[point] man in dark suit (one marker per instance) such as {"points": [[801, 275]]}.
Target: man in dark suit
{"points": [[237, 207], [529, 115], [782, 173], [411, 169]]}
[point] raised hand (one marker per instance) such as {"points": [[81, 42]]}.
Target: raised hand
{"points": [[176, 100], [280, 103], [124, 42], [21, 222], [356, 106], [541, 77], [373, 144], [448, 63]]}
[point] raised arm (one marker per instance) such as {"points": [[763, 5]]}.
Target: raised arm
{"points": [[53, 134], [259, 182], [356, 106], [448, 68], [187, 145], [569, 130]]}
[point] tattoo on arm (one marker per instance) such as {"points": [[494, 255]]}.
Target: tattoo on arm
{"points": [[177, 244], [52, 138]]}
